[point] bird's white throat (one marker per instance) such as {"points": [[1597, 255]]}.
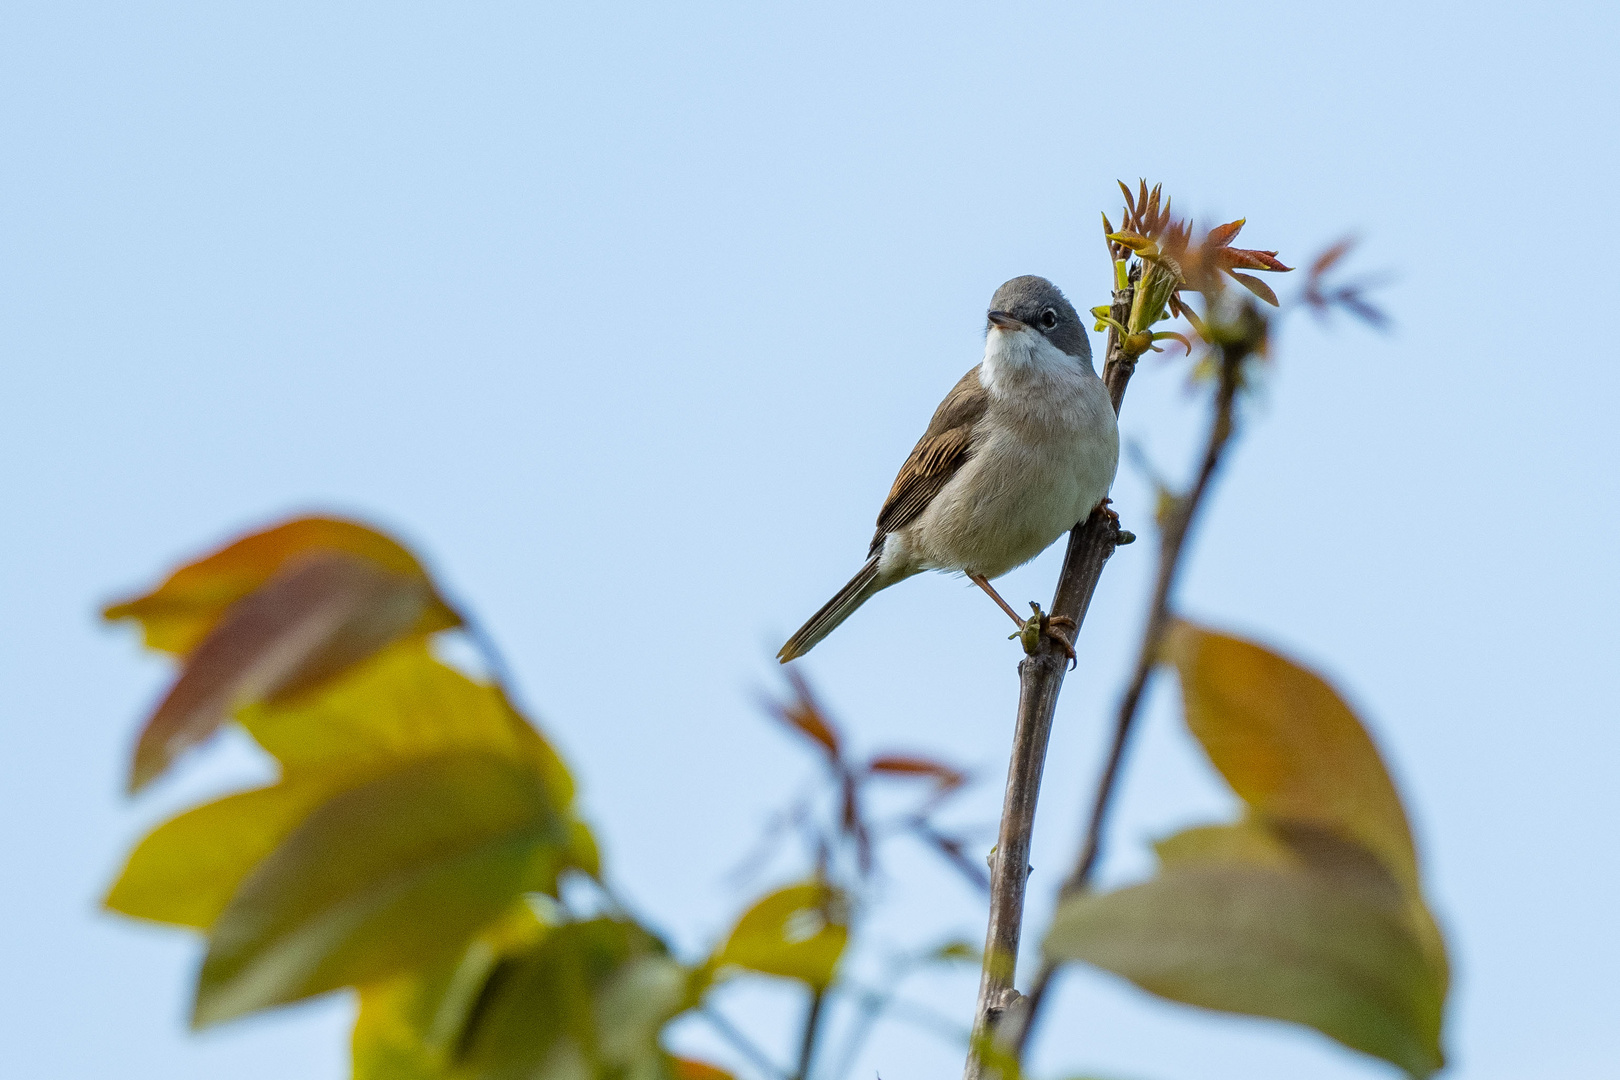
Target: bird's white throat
{"points": [[1015, 358]]}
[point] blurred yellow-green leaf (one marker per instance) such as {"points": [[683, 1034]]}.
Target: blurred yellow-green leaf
{"points": [[403, 703], [185, 870], [411, 1027], [1244, 920], [388, 876], [1288, 744], [402, 706], [953, 951], [798, 932], [588, 1001]]}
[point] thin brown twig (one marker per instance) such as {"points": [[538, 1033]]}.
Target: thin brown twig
{"points": [[741, 1042], [812, 1027], [873, 1004], [1176, 526], [1040, 679]]}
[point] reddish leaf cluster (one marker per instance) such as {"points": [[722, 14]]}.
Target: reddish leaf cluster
{"points": [[802, 713], [1323, 297]]}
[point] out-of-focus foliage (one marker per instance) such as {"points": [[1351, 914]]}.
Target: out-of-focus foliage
{"points": [[1310, 909], [798, 933], [415, 845], [418, 820], [273, 616]]}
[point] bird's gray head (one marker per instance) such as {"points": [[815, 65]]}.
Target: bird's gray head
{"points": [[1036, 303]]}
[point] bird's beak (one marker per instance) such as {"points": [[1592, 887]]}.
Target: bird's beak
{"points": [[1005, 321]]}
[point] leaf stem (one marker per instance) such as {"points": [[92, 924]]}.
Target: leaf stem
{"points": [[741, 1042], [812, 1027]]}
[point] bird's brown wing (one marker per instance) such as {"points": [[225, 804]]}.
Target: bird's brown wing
{"points": [[938, 454]]}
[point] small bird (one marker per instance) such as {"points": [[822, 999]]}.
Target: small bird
{"points": [[1020, 450]]}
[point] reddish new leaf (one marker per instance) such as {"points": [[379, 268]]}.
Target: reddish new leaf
{"points": [[316, 616], [1256, 286], [178, 614], [904, 765], [1222, 235], [1325, 261], [805, 715], [1251, 259]]}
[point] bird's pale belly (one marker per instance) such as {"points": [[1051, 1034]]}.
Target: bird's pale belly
{"points": [[1008, 504]]}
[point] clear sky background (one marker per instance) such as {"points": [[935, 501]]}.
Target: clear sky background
{"points": [[625, 316]]}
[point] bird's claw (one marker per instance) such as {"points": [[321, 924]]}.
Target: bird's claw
{"points": [[1121, 536], [1040, 625]]}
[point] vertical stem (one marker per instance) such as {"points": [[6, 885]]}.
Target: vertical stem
{"points": [[1040, 679], [1176, 526], [812, 1024]]}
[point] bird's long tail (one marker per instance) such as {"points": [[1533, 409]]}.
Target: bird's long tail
{"points": [[840, 607]]}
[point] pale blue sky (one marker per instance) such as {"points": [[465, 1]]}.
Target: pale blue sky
{"points": [[625, 317]]}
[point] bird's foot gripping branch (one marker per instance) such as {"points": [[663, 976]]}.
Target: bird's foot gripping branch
{"points": [[1039, 625]]}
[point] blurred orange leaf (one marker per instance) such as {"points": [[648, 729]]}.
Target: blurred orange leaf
{"points": [[270, 616], [691, 1069], [317, 615], [1222, 235], [180, 612], [1288, 744], [803, 714], [1325, 261], [905, 765]]}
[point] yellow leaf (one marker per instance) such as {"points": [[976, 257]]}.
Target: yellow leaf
{"points": [[798, 932], [400, 707], [185, 870], [403, 703], [389, 876], [180, 612], [1288, 744]]}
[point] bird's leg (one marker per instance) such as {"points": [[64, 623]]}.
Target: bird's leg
{"points": [[1031, 630], [1039, 625], [984, 583]]}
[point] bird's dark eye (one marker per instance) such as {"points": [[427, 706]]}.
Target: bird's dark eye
{"points": [[1049, 318]]}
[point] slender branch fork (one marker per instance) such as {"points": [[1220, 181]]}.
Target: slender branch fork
{"points": [[1040, 678], [1175, 528]]}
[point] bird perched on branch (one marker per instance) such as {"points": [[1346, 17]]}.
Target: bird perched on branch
{"points": [[1020, 450]]}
